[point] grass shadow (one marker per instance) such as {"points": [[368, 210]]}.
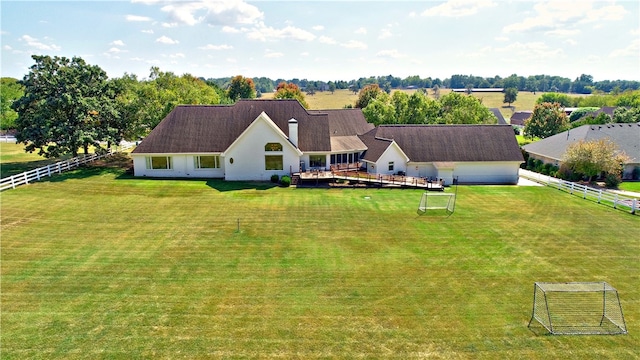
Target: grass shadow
{"points": [[224, 185], [9, 169]]}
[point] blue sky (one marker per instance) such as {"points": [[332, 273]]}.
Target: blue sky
{"points": [[329, 40]]}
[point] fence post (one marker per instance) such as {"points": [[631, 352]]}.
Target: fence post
{"points": [[615, 201], [599, 195], [49, 170], [634, 204], [26, 179], [584, 193], [13, 182]]}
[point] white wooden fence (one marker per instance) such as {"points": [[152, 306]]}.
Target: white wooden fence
{"points": [[57, 168], [600, 196]]}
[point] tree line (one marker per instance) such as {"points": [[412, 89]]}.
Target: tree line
{"points": [[584, 84]]}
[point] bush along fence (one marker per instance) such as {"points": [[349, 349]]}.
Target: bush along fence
{"points": [[606, 197], [57, 168]]}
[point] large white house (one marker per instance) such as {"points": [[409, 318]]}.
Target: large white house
{"points": [[255, 139]]}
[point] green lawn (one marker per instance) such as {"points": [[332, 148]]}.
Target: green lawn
{"points": [[96, 264]]}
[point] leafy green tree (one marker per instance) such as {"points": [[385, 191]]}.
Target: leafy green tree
{"points": [[290, 91], [241, 88], [67, 104], [460, 109], [10, 91], [332, 87], [579, 113], [510, 95], [367, 94], [380, 111], [552, 97], [624, 115], [547, 119], [593, 157]]}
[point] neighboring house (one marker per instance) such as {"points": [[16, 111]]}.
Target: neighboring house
{"points": [[498, 115], [520, 117], [255, 139], [625, 136]]}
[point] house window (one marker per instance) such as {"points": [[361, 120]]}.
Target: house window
{"points": [[317, 161], [273, 162], [273, 147], [206, 162], [159, 162], [333, 159], [390, 165]]}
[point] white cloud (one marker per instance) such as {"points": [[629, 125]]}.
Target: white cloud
{"points": [[137, 18], [216, 47], [232, 60], [304, 54], [361, 31], [393, 54], [7, 47], [115, 50], [147, 31], [562, 32], [353, 44], [37, 44], [571, 42], [177, 56], [501, 38], [558, 14], [536, 50], [326, 40], [117, 43], [458, 8], [230, 30], [384, 34], [264, 33], [166, 40], [213, 12], [630, 51], [273, 54], [318, 28], [169, 25]]}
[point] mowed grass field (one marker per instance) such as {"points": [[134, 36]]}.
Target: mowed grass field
{"points": [[96, 264]]}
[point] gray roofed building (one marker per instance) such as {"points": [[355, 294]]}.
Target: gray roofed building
{"points": [[625, 136]]}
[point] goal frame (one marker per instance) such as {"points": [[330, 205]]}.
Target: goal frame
{"points": [[425, 205], [602, 315]]}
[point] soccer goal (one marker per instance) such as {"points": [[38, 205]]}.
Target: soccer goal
{"points": [[437, 201], [578, 308]]}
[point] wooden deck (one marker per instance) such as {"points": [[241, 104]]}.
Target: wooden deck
{"points": [[359, 177]]}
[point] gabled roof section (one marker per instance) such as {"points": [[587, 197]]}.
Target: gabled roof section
{"points": [[375, 146], [625, 136], [445, 143], [263, 117], [519, 117], [213, 128]]}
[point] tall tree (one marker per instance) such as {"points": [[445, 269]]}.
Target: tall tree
{"points": [[510, 95], [67, 104], [241, 88], [290, 91], [367, 94], [552, 97], [547, 119]]}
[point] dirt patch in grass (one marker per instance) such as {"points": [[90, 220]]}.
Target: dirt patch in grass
{"points": [[116, 161]]}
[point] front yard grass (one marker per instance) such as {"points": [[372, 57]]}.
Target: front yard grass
{"points": [[96, 264]]}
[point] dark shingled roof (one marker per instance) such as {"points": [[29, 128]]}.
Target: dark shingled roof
{"points": [[213, 128], [447, 143], [519, 117], [375, 146]]}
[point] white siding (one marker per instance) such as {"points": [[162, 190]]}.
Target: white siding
{"points": [[183, 166], [248, 154], [423, 170], [392, 154], [487, 172]]}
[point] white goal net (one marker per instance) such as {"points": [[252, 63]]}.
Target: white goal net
{"points": [[437, 201], [578, 308]]}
